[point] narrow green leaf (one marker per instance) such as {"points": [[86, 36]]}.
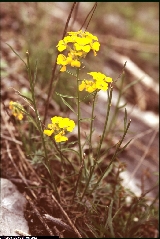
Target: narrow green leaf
{"points": [[109, 220], [32, 121], [35, 75], [17, 54], [68, 105], [86, 119], [65, 96], [25, 97], [131, 84], [124, 147], [119, 107], [125, 118], [70, 150]]}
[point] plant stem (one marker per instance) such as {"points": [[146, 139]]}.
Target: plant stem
{"points": [[55, 66], [117, 105], [39, 125], [100, 144], [92, 118], [106, 122], [79, 117], [113, 157]]}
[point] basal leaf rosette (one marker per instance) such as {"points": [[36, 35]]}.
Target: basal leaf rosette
{"points": [[59, 128], [78, 45], [99, 82]]}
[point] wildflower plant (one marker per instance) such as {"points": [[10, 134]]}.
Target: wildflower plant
{"points": [[84, 181]]}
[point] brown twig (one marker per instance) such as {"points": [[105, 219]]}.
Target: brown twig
{"points": [[55, 66], [20, 174], [75, 15], [25, 162], [67, 218], [10, 139], [38, 215], [21, 233], [92, 10], [59, 222]]}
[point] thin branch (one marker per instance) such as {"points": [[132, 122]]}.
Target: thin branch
{"points": [[91, 11], [55, 66], [22, 157], [59, 222], [18, 171], [67, 218], [21, 233], [10, 139], [38, 215]]}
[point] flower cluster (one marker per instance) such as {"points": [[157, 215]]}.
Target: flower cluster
{"points": [[99, 82], [78, 45], [16, 109], [59, 127]]}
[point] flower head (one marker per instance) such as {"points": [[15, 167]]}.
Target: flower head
{"points": [[59, 127], [16, 109], [78, 44], [99, 82]]}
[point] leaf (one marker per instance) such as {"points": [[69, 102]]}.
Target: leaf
{"points": [[86, 119], [109, 220], [17, 55], [72, 150], [35, 75], [27, 98], [68, 105], [32, 121], [65, 96], [124, 146], [119, 107], [125, 118], [131, 84]]}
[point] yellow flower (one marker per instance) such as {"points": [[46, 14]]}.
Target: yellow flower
{"points": [[89, 86], [99, 82], [99, 76], [63, 61], [16, 109], [67, 124], [59, 137], [78, 44], [59, 127], [48, 132], [61, 45], [75, 63]]}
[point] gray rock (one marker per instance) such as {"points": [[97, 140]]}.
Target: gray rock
{"points": [[12, 207]]}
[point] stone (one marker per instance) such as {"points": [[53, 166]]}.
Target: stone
{"points": [[12, 210]]}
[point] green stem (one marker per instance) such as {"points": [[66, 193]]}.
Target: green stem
{"points": [[100, 144], [117, 105], [106, 122], [92, 118], [113, 157], [39, 125], [79, 117]]}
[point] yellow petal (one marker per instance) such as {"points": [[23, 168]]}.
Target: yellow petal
{"points": [[48, 132]]}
